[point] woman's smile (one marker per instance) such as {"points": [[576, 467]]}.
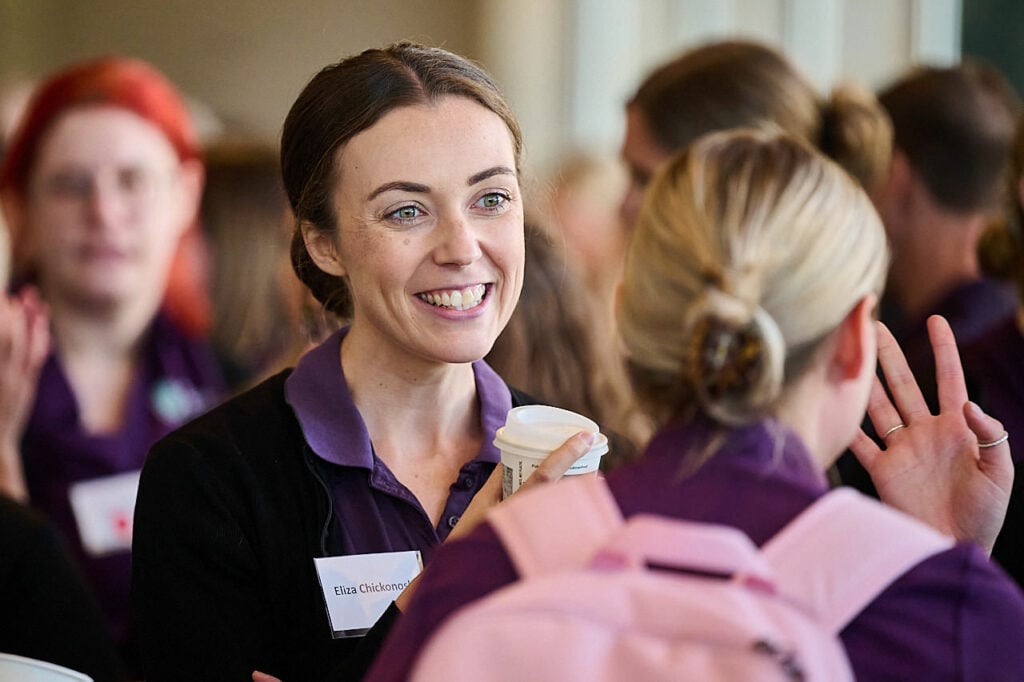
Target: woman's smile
{"points": [[465, 298]]}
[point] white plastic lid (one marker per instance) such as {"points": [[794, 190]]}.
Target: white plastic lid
{"points": [[542, 428]]}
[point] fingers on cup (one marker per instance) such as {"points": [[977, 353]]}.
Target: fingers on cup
{"points": [[559, 461]]}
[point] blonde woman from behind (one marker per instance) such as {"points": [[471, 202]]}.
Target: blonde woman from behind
{"points": [[747, 309]]}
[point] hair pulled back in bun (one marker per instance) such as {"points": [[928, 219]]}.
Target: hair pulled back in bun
{"points": [[750, 249]]}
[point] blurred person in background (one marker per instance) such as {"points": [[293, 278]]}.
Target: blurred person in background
{"points": [[559, 348], [994, 364], [582, 209], [953, 129], [258, 322], [49, 613], [101, 180], [739, 83]]}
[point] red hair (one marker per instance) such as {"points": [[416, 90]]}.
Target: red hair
{"points": [[134, 85], [130, 84]]}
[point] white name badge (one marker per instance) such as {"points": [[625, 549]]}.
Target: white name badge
{"points": [[358, 588], [104, 509]]}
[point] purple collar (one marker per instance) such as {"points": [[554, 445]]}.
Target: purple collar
{"points": [[318, 393], [766, 448]]}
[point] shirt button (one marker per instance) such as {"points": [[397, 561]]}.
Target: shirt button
{"points": [[453, 521], [466, 482]]}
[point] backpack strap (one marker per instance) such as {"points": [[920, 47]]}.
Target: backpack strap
{"points": [[843, 551], [555, 527]]}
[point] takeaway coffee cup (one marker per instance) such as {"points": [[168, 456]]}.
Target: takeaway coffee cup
{"points": [[529, 435]]}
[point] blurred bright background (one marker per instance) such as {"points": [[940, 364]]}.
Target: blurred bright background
{"points": [[567, 65]]}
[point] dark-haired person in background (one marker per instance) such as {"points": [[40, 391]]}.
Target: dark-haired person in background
{"points": [[952, 131]]}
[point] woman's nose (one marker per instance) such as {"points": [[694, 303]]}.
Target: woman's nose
{"points": [[106, 202], [459, 243]]}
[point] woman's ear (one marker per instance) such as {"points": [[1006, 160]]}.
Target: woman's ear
{"points": [[855, 346], [322, 249], [191, 177]]}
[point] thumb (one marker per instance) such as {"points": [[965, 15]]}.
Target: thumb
{"points": [[994, 445]]}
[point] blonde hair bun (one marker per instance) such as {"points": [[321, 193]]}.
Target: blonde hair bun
{"points": [[750, 249], [736, 356]]}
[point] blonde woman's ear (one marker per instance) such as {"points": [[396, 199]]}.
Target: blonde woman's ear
{"points": [[855, 346]]}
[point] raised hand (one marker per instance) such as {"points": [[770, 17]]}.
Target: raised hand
{"points": [[952, 470], [24, 343]]}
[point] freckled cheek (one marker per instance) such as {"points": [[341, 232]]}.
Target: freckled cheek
{"points": [[508, 257]]}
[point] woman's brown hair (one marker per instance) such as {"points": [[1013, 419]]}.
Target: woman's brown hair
{"points": [[343, 100], [744, 84]]}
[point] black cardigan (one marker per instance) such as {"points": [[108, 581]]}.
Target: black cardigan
{"points": [[230, 513], [47, 611]]}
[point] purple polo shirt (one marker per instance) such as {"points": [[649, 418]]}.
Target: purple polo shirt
{"points": [[953, 617], [372, 510], [177, 377]]}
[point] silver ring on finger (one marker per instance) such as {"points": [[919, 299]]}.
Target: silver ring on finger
{"points": [[998, 441], [894, 430]]}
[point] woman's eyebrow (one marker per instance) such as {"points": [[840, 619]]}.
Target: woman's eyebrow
{"points": [[406, 186], [483, 175], [399, 185]]}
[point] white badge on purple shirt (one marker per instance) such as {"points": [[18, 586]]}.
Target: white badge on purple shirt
{"points": [[359, 587], [104, 509]]}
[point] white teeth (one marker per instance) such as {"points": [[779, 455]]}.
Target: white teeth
{"points": [[458, 299]]}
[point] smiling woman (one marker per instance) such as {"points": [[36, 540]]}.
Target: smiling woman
{"points": [[430, 211], [401, 166]]}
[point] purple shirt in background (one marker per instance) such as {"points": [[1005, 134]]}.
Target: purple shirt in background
{"points": [[373, 511], [953, 617], [177, 378], [994, 367], [972, 309]]}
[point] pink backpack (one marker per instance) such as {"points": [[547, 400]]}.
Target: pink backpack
{"points": [[662, 599]]}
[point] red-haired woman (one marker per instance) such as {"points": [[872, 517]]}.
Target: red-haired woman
{"points": [[99, 185]]}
